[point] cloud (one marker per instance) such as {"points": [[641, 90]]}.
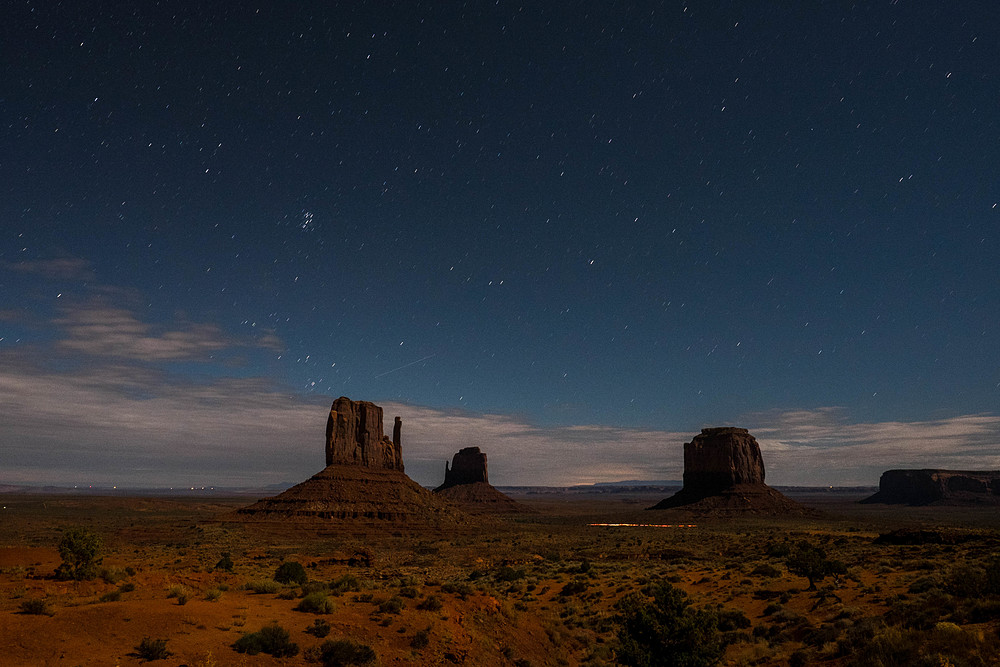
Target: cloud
{"points": [[62, 268], [823, 446]]}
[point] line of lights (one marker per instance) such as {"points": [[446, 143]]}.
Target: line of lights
{"points": [[646, 525]]}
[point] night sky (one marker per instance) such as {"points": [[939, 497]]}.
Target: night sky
{"points": [[573, 234]]}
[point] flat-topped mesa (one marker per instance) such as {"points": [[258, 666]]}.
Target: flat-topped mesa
{"points": [[354, 436], [724, 475], [720, 458], [468, 466], [938, 487]]}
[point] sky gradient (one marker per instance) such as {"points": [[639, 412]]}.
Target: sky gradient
{"points": [[570, 236]]}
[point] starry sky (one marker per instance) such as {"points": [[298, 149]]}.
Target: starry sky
{"points": [[570, 233]]}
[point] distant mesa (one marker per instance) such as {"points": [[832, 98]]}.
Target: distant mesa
{"points": [[724, 474], [363, 479], [467, 484], [938, 487]]}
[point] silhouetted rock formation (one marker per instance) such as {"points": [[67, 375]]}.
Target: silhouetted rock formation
{"points": [[938, 487], [354, 436], [363, 479], [467, 467], [724, 473], [467, 485]]}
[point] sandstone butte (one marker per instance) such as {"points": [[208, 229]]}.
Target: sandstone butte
{"points": [[363, 479], [938, 487], [466, 484], [724, 475]]}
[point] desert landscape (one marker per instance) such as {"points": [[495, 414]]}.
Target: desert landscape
{"points": [[359, 565]]}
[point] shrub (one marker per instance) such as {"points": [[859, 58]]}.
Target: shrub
{"points": [[421, 639], [430, 603], [766, 570], [225, 562], [315, 603], [112, 575], [508, 573], [342, 652], [271, 639], [35, 607], [574, 587], [111, 596], [263, 586], [393, 605], [319, 628], [291, 572], [213, 594], [666, 631], [408, 592], [347, 582], [152, 649], [79, 549], [810, 561]]}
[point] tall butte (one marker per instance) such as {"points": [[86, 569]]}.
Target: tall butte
{"points": [[467, 484], [724, 474], [363, 479]]}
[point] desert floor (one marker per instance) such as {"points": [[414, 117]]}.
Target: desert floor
{"points": [[534, 589]]}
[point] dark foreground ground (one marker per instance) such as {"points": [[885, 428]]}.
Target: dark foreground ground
{"points": [[534, 589]]}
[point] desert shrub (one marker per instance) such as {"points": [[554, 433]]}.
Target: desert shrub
{"points": [[408, 592], [319, 628], [393, 605], [732, 619], [288, 593], [152, 649], [665, 631], [79, 549], [810, 561], [111, 596], [766, 570], [342, 652], [574, 587], [875, 643], [421, 639], [344, 584], [291, 572], [314, 587], [772, 608], [315, 603], [127, 587], [430, 603], [213, 594], [460, 589], [225, 562], [35, 607], [262, 586], [271, 639], [508, 573], [777, 549], [112, 575]]}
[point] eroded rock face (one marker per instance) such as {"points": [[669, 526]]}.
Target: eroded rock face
{"points": [[468, 466], [354, 436], [939, 487], [724, 474], [718, 458]]}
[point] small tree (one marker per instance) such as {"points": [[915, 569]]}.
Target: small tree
{"points": [[810, 561], [666, 632], [79, 549], [291, 572]]}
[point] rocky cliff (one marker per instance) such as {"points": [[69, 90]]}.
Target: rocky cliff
{"points": [[938, 487], [354, 436], [468, 466], [363, 480], [724, 474], [467, 485]]}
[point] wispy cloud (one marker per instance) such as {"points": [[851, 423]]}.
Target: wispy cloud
{"points": [[824, 446], [61, 268]]}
